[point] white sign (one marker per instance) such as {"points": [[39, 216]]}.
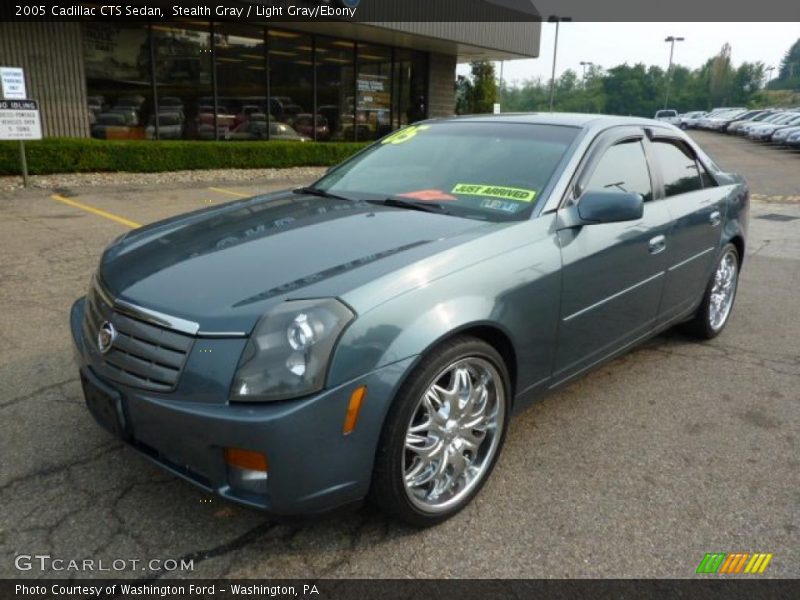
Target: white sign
{"points": [[12, 83], [497, 108], [19, 120]]}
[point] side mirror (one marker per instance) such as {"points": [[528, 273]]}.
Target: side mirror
{"points": [[610, 207]]}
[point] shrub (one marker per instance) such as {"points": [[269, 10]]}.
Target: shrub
{"points": [[76, 155]]}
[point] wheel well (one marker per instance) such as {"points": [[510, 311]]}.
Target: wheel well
{"points": [[738, 241], [498, 340]]}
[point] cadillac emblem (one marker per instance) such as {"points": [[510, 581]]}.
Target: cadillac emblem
{"points": [[106, 336]]}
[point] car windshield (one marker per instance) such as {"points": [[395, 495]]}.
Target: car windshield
{"points": [[666, 113], [488, 171]]}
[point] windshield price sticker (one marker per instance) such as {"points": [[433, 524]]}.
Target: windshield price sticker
{"points": [[494, 191], [502, 205], [404, 134]]}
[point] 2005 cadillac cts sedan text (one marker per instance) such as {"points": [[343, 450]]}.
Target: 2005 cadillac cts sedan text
{"points": [[371, 335]]}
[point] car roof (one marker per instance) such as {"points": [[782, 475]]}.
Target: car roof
{"points": [[579, 120]]}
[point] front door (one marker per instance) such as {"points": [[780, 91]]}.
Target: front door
{"points": [[612, 273]]}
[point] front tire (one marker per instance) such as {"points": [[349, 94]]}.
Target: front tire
{"points": [[443, 433], [717, 304]]}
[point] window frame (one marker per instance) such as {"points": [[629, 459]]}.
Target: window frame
{"points": [[692, 154], [587, 176], [588, 162]]}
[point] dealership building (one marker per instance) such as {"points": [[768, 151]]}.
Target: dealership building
{"points": [[206, 79]]}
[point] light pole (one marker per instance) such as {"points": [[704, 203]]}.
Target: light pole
{"points": [[671, 39], [555, 19], [769, 71], [584, 64]]}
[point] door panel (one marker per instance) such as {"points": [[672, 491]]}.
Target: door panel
{"points": [[612, 273], [612, 285], [697, 214]]}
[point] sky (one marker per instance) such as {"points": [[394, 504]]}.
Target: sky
{"points": [[611, 44]]}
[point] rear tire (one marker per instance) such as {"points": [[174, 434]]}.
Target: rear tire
{"points": [[717, 304], [443, 433]]}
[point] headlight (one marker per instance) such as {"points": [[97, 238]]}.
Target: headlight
{"points": [[287, 355]]}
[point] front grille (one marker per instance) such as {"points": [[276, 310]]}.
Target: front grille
{"points": [[143, 355]]}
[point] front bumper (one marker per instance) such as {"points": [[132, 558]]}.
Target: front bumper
{"points": [[313, 467]]}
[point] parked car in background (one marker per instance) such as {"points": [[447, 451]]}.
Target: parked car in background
{"points": [[375, 332], [764, 131], [170, 126], [257, 130], [250, 112], [773, 118], [689, 120], [304, 124], [705, 122], [782, 134], [722, 123], [736, 126], [793, 140], [116, 125], [668, 116]]}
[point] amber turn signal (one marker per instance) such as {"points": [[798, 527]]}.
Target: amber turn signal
{"points": [[353, 409], [246, 459]]}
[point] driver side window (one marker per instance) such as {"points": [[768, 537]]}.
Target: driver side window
{"points": [[624, 168]]}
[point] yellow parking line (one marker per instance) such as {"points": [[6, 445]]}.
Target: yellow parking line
{"points": [[96, 211], [231, 192]]}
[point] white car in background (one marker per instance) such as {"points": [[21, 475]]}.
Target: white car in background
{"points": [[782, 134], [747, 127], [764, 132], [736, 126], [765, 129], [689, 120], [668, 116], [705, 122]]}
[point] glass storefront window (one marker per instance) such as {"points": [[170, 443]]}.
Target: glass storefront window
{"points": [[291, 77], [335, 67], [182, 51], [195, 79], [241, 64], [373, 89], [118, 80], [410, 87]]}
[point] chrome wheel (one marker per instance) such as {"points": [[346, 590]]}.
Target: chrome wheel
{"points": [[453, 434], [723, 290]]}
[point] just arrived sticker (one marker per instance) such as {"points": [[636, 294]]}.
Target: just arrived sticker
{"points": [[494, 191]]}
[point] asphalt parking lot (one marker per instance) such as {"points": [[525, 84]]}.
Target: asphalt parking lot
{"points": [[636, 470]]}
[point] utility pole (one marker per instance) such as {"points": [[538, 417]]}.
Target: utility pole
{"points": [[671, 40], [584, 64], [769, 71], [555, 19]]}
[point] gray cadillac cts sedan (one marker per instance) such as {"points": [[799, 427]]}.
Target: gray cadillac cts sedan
{"points": [[372, 335]]}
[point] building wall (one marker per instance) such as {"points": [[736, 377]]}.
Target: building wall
{"points": [[52, 56], [441, 85]]}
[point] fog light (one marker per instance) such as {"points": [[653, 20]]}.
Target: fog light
{"points": [[353, 409], [247, 470]]}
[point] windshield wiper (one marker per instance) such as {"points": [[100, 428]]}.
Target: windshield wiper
{"points": [[312, 191], [425, 206]]}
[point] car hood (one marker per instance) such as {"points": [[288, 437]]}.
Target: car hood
{"points": [[222, 268]]}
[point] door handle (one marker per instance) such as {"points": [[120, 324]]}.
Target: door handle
{"points": [[657, 244], [715, 218]]}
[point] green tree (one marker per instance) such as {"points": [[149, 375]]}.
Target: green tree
{"points": [[720, 77], [482, 91], [789, 72]]}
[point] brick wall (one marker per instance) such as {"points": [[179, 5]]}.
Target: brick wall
{"points": [[441, 82]]}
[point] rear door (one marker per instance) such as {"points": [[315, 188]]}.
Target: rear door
{"points": [[695, 203], [612, 273]]}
